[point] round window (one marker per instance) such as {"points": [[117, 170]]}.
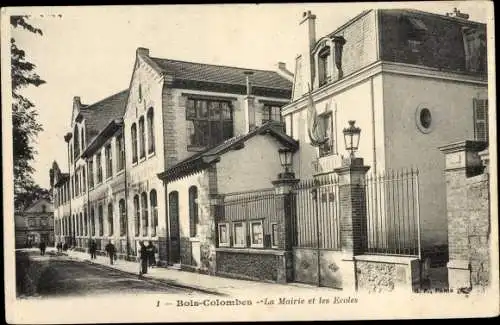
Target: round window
{"points": [[424, 119]]}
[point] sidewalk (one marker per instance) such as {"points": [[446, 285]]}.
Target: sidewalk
{"points": [[207, 283]]}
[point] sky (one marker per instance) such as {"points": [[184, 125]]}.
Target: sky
{"points": [[90, 51]]}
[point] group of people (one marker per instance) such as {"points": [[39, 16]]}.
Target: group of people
{"points": [[147, 254], [61, 247]]}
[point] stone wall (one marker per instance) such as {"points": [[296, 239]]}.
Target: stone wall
{"points": [[377, 274], [251, 264], [469, 227]]}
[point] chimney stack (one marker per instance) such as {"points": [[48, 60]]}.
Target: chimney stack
{"points": [[141, 51], [249, 106], [308, 24], [283, 71], [77, 101], [249, 83], [457, 14]]}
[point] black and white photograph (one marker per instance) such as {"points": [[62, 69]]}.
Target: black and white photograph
{"points": [[236, 162]]}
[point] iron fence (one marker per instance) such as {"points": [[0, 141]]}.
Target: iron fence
{"points": [[317, 212], [393, 216]]}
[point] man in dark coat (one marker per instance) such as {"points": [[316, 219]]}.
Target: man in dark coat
{"points": [[143, 254], [42, 248], [111, 251], [92, 249], [151, 249]]}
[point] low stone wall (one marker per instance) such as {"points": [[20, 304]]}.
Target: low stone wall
{"points": [[253, 264], [378, 273]]}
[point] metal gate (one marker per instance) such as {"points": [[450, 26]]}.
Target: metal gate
{"points": [[316, 238]]}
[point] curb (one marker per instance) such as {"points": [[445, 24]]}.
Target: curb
{"points": [[152, 279]]}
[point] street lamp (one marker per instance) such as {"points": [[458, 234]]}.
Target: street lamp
{"points": [[351, 137], [286, 161]]}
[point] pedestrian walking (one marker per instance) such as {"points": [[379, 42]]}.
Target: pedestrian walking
{"points": [[93, 249], [42, 248], [111, 251], [151, 249], [143, 254]]}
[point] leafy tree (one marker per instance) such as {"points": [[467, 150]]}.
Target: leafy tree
{"points": [[24, 115]]}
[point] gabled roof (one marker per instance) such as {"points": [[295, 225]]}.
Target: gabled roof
{"points": [[99, 114], [206, 158], [182, 70]]}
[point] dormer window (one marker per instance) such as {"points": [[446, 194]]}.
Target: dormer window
{"points": [[324, 67], [413, 33]]}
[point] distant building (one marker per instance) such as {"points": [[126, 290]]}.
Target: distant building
{"points": [[35, 224], [412, 81]]}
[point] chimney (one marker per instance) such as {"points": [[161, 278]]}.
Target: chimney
{"points": [[457, 14], [308, 24], [249, 106], [284, 72], [141, 51], [77, 101]]}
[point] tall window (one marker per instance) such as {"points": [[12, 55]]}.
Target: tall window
{"points": [[154, 212], [110, 219], [144, 207], [480, 119], [92, 221], [101, 220], [137, 212], [209, 122], [120, 152], [77, 183], [85, 223], [142, 138], [109, 161], [71, 154], [76, 142], [271, 113], [98, 162], [133, 134], [84, 181], [193, 210], [91, 173], [123, 217], [324, 67], [327, 148], [151, 131], [82, 140]]}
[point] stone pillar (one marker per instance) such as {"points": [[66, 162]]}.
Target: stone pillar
{"points": [[461, 162], [283, 187], [353, 220], [249, 107]]}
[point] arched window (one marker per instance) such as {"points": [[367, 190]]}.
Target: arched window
{"points": [[137, 216], [82, 140], [133, 134], [76, 142], [101, 220], [123, 218], [154, 212], [144, 208], [110, 219], [193, 210], [151, 131], [92, 221], [85, 223], [142, 138]]}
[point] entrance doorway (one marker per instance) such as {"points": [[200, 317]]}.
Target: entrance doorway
{"points": [[173, 214]]}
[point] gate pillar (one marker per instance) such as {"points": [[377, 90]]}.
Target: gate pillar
{"points": [[284, 196], [353, 219]]}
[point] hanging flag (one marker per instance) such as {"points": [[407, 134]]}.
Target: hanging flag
{"points": [[315, 127]]}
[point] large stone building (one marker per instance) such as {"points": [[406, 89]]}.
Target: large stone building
{"points": [[35, 224], [173, 110], [411, 80]]}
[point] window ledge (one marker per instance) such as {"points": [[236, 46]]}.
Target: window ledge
{"points": [[194, 239], [121, 171], [142, 159], [152, 154], [134, 163], [195, 148]]}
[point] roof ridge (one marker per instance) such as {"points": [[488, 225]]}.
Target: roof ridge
{"points": [[216, 65], [89, 106]]}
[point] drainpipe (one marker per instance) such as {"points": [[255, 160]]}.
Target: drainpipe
{"points": [[374, 143], [126, 195]]}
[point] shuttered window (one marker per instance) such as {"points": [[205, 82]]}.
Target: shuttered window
{"points": [[480, 119]]}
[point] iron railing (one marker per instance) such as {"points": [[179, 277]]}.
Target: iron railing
{"points": [[317, 212], [393, 216]]}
